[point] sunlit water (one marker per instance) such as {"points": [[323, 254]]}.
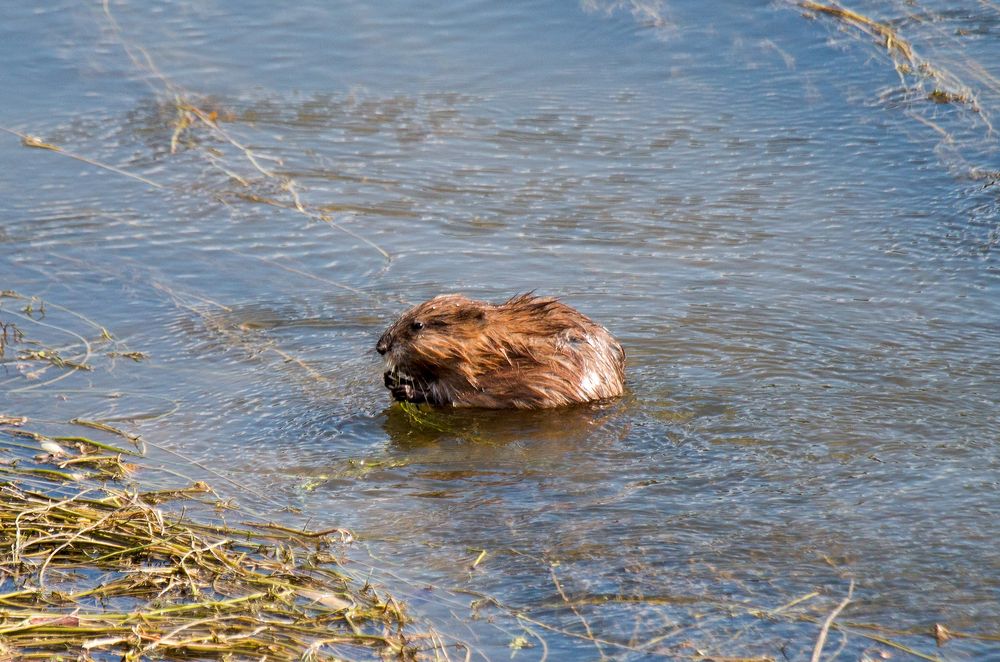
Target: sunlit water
{"points": [[798, 253]]}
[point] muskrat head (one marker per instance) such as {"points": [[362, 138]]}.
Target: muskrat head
{"points": [[426, 349]]}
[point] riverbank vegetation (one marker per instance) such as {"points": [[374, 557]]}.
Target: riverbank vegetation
{"points": [[92, 568]]}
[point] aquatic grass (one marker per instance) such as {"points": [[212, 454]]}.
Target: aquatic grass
{"points": [[91, 570], [230, 592], [33, 334], [35, 142], [9, 335], [44, 357], [716, 625], [134, 439], [894, 44], [427, 417], [945, 88], [190, 116]]}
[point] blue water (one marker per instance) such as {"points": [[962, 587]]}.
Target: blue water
{"points": [[795, 244]]}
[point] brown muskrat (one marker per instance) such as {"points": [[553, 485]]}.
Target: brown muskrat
{"points": [[528, 353]]}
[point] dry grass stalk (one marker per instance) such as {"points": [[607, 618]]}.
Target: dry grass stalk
{"points": [[825, 629], [91, 571], [946, 88], [895, 44]]}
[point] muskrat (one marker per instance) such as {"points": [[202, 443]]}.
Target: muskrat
{"points": [[529, 352]]}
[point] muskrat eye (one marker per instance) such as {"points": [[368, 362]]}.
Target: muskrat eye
{"points": [[416, 326]]}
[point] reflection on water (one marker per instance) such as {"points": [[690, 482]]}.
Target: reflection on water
{"points": [[418, 426], [793, 236]]}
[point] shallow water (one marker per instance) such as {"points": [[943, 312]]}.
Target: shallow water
{"points": [[795, 244]]}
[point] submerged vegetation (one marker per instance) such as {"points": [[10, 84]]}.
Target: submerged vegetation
{"points": [[90, 569]]}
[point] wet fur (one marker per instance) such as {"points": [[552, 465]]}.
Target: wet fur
{"points": [[528, 353]]}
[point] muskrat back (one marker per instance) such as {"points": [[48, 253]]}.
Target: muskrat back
{"points": [[529, 352]]}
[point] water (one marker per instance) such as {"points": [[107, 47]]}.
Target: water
{"points": [[797, 248]]}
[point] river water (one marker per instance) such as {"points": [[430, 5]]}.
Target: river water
{"points": [[791, 224]]}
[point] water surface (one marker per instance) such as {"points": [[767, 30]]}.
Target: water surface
{"points": [[796, 244]]}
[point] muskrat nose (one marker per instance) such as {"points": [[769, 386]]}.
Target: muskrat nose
{"points": [[383, 345]]}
